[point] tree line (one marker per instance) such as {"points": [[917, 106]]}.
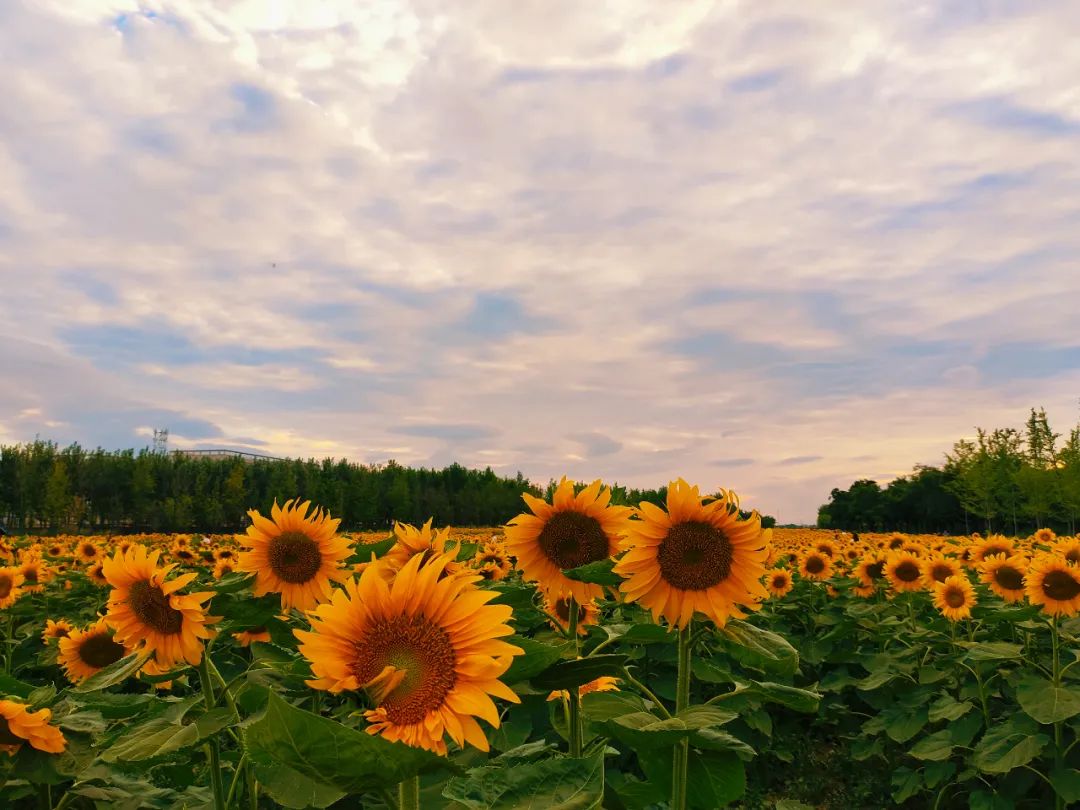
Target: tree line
{"points": [[44, 487], [1003, 480]]}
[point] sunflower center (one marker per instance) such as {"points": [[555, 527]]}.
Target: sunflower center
{"points": [[875, 570], [1009, 578], [814, 564], [88, 550], [6, 584], [99, 650], [571, 539], [896, 543], [1073, 555], [941, 572], [294, 557], [779, 581], [907, 571], [826, 550], [695, 556], [954, 598], [1060, 586], [989, 551], [421, 649], [151, 606], [7, 737], [30, 575]]}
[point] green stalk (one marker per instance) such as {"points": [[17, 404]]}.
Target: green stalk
{"points": [[681, 757], [409, 794], [213, 752], [1059, 755], [574, 695]]}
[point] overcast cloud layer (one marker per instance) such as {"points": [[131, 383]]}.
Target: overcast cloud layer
{"points": [[772, 246]]}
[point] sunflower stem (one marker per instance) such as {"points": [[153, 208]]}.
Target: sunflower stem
{"points": [[681, 757], [1059, 755], [213, 752], [409, 794], [573, 692]]}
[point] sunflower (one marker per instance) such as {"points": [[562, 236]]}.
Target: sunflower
{"points": [[571, 531], [225, 554], [424, 542], [826, 547], [938, 568], [56, 550], [559, 608], [492, 557], [425, 646], [294, 554], [605, 683], [871, 569], [184, 555], [954, 598], [696, 556], [491, 572], [35, 575], [1045, 537], [1005, 575], [1069, 548], [245, 637], [994, 544], [864, 591], [19, 725], [779, 582], [57, 629], [1054, 584], [96, 573], [145, 609], [904, 571], [87, 552], [896, 542], [816, 566], [84, 652], [10, 580], [223, 567]]}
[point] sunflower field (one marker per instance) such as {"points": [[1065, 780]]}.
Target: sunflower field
{"points": [[586, 655]]}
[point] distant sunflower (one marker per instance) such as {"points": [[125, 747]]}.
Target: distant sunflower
{"points": [[294, 554], [84, 652], [816, 566], [696, 556], [424, 542], [571, 531], [35, 574], [56, 550], [938, 568], [19, 725], [779, 582], [58, 629], [1069, 548], [605, 683], [96, 573], [10, 580], [994, 544], [871, 569], [87, 552], [426, 647], [904, 572], [245, 637], [1044, 537], [588, 613], [1005, 576], [1054, 584], [146, 609], [225, 554], [896, 542], [826, 547], [495, 555], [864, 591], [184, 555], [223, 567], [954, 598], [491, 572]]}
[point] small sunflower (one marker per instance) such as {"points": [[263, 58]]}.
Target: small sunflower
{"points": [[994, 544], [864, 591], [56, 550], [184, 555], [223, 567], [96, 573], [491, 572], [826, 547], [84, 652], [145, 609], [1005, 575], [605, 683], [58, 629], [696, 556], [871, 569], [1044, 537], [35, 575], [245, 637], [896, 542], [779, 582], [19, 725], [294, 554], [571, 531], [588, 613], [87, 552], [10, 580], [424, 542], [816, 566], [426, 647], [954, 598], [225, 554], [937, 568], [1054, 584], [1069, 548], [904, 571]]}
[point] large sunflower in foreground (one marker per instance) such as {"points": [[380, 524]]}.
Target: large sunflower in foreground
{"points": [[954, 598], [571, 531], [426, 647], [696, 556], [295, 554], [1055, 584], [1005, 575], [84, 652], [18, 726], [145, 608]]}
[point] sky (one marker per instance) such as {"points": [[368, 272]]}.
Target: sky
{"points": [[767, 246]]}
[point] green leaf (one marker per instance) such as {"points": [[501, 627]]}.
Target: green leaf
{"points": [[114, 673], [163, 735], [982, 800], [947, 708], [538, 657], [901, 724], [1066, 782], [13, 686], [936, 747], [905, 783], [759, 648], [935, 773], [362, 553], [716, 779], [559, 783], [1046, 703], [992, 650], [231, 583], [568, 674], [116, 707], [242, 610], [292, 789], [598, 573], [713, 739], [1008, 745], [597, 707], [800, 700], [329, 753], [645, 730], [639, 633]]}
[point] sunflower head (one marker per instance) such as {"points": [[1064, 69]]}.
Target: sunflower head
{"points": [[61, 628], [245, 637], [1044, 537], [86, 651], [1069, 548], [18, 726], [904, 571], [605, 683], [697, 556], [1005, 575], [559, 608], [895, 542], [938, 568], [815, 565], [871, 569], [778, 582], [11, 579], [954, 597], [571, 531], [87, 551], [295, 554], [1054, 584], [994, 544], [425, 542]]}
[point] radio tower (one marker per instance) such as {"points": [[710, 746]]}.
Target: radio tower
{"points": [[161, 440]]}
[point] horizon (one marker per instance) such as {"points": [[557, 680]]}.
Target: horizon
{"points": [[756, 247]]}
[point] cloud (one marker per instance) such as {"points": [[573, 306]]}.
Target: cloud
{"points": [[633, 244]]}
